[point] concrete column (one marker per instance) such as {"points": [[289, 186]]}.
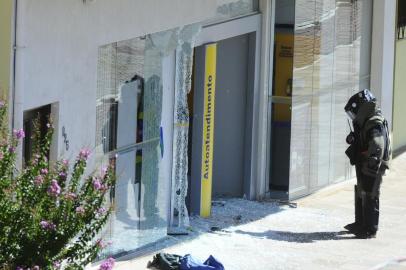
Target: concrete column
{"points": [[383, 54], [261, 174]]}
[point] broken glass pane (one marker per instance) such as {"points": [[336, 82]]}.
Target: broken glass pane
{"points": [[233, 8]]}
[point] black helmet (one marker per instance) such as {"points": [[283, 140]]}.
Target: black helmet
{"points": [[356, 101]]}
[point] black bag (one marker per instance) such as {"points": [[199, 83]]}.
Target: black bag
{"points": [[351, 153]]}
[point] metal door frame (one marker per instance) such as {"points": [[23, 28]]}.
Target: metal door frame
{"points": [[250, 24]]}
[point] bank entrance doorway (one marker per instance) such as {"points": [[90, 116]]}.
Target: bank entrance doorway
{"points": [[221, 115]]}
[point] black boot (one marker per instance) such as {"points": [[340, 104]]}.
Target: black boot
{"points": [[370, 207], [365, 234], [371, 216], [357, 226]]}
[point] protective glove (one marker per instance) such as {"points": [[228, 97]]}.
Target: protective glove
{"points": [[350, 138]]}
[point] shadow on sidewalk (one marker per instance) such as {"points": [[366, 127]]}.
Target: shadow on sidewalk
{"points": [[300, 237]]}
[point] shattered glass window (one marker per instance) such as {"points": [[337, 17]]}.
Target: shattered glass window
{"points": [[129, 133], [132, 106], [183, 85]]}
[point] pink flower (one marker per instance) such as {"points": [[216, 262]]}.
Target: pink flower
{"points": [[101, 210], [84, 154], [20, 134], [107, 264], [54, 189], [44, 171], [97, 184], [39, 180], [46, 225], [11, 149], [80, 210], [104, 170], [36, 158], [2, 103], [70, 196], [62, 175], [101, 244], [57, 264], [65, 162], [35, 267]]}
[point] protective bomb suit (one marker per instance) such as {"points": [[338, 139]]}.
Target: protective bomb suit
{"points": [[370, 152]]}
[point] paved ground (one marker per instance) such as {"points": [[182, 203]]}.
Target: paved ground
{"points": [[265, 235]]}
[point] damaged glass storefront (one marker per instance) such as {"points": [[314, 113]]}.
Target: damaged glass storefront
{"points": [[142, 127]]}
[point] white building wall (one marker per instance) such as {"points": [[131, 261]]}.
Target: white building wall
{"points": [[57, 52]]}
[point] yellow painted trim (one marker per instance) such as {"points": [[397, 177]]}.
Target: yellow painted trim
{"points": [[182, 124], [6, 15], [208, 129]]}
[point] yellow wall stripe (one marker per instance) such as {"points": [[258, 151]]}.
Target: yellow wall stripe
{"points": [[6, 15], [208, 129]]}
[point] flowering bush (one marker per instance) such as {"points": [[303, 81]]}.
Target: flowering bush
{"points": [[50, 214]]}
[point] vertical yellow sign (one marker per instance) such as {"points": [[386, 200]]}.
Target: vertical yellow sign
{"points": [[208, 129]]}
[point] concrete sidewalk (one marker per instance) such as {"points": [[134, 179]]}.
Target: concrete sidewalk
{"points": [[263, 235]]}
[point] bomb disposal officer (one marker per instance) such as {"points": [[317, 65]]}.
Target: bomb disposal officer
{"points": [[369, 151]]}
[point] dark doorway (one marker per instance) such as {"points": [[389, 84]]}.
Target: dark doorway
{"points": [[35, 128]]}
